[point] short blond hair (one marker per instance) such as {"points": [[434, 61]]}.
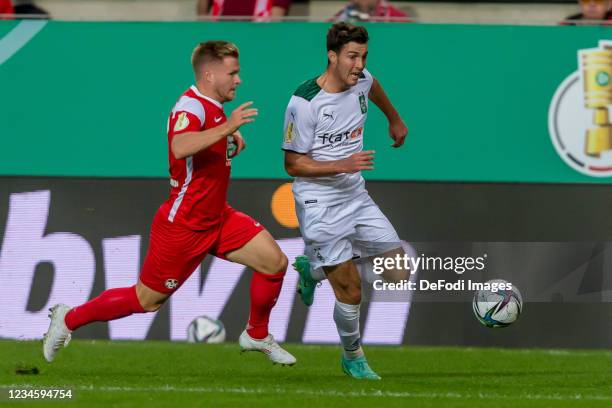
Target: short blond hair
{"points": [[209, 51]]}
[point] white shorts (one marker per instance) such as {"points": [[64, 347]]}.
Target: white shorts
{"points": [[335, 234]]}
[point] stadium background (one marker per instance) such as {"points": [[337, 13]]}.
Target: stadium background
{"points": [[84, 169]]}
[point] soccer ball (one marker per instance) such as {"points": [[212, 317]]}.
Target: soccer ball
{"points": [[204, 329], [497, 309]]}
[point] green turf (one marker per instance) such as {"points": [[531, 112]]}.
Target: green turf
{"points": [[163, 374]]}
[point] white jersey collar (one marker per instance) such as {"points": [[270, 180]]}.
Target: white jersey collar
{"points": [[209, 99]]}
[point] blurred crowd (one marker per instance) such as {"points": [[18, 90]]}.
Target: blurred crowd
{"points": [[25, 8], [594, 12], [266, 10]]}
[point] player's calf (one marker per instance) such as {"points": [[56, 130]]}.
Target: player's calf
{"points": [[111, 304], [345, 281]]}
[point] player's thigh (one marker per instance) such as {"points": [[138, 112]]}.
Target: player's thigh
{"points": [[245, 241], [174, 253], [261, 254], [345, 281], [400, 267], [326, 232]]}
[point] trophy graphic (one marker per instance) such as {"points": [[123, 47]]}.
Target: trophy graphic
{"points": [[596, 70]]}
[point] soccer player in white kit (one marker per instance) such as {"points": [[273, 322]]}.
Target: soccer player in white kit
{"points": [[323, 144]]}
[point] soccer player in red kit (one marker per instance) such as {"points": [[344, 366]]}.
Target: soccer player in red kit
{"points": [[196, 219]]}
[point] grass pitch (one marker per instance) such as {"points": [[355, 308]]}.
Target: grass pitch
{"points": [[162, 374]]}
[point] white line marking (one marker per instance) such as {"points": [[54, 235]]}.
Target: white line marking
{"points": [[18, 37], [325, 393]]}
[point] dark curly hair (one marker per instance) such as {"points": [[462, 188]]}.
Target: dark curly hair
{"points": [[343, 33]]}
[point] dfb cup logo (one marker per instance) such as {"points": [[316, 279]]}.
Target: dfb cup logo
{"points": [[578, 117], [171, 283]]}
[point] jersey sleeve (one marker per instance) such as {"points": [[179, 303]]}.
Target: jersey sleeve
{"points": [[368, 80], [187, 116], [299, 128]]}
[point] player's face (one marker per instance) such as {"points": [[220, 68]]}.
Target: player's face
{"points": [[350, 62], [225, 78], [594, 9]]}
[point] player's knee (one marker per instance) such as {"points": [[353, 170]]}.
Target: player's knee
{"points": [[151, 307], [283, 263], [396, 275], [353, 295], [276, 264], [350, 294]]}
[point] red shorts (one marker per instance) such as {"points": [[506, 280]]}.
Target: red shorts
{"points": [[176, 251]]}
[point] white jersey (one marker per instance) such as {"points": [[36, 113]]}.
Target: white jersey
{"points": [[327, 126]]}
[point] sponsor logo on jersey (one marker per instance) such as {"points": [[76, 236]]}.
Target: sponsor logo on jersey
{"points": [[218, 119], [171, 283], [356, 133], [578, 117], [289, 133], [174, 183], [362, 104], [182, 122], [340, 139]]}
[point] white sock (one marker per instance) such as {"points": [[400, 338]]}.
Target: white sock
{"points": [[347, 322]]}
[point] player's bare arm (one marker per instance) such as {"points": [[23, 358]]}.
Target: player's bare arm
{"points": [[189, 143], [397, 127], [300, 165], [239, 142]]}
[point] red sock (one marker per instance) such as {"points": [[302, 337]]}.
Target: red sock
{"points": [[264, 293], [110, 305]]}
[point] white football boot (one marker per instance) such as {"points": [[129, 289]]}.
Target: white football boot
{"points": [[58, 335], [268, 346]]}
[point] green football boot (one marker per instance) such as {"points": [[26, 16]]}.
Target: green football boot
{"points": [[358, 368], [306, 285]]}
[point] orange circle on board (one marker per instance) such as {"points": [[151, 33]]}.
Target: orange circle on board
{"points": [[283, 206]]}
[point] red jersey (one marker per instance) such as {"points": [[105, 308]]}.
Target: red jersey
{"points": [[261, 10], [6, 7], [198, 183]]}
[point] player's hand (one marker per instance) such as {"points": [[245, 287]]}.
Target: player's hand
{"points": [[241, 115], [398, 131], [241, 145], [358, 161]]}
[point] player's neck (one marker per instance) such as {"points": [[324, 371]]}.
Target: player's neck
{"points": [[209, 93], [331, 84]]}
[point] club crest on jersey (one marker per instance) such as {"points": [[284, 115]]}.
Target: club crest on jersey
{"points": [[171, 283], [182, 122], [362, 104]]}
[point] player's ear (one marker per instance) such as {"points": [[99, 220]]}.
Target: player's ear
{"points": [[208, 76], [332, 57]]}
